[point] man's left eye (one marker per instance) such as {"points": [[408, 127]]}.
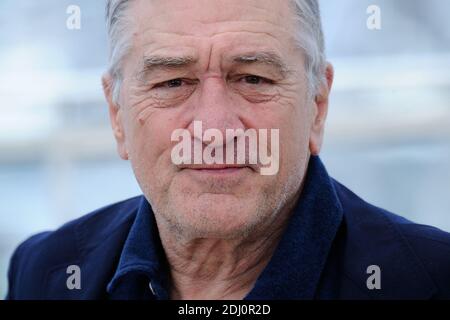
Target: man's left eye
{"points": [[251, 79]]}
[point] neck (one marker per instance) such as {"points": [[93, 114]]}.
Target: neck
{"points": [[208, 268], [218, 269]]}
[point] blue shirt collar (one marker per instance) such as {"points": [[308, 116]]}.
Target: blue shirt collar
{"points": [[293, 272]]}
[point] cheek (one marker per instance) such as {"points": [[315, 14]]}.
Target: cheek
{"points": [[150, 147], [293, 120], [148, 128]]}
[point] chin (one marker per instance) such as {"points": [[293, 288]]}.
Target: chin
{"points": [[224, 218]]}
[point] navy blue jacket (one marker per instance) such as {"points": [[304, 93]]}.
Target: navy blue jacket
{"points": [[328, 251]]}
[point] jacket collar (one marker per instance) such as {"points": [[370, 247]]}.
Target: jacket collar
{"points": [[142, 263], [373, 237], [296, 266]]}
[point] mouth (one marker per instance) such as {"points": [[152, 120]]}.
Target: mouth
{"points": [[217, 170]]}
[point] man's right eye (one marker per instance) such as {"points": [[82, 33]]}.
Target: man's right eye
{"points": [[174, 83]]}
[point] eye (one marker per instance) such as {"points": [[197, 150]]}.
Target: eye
{"points": [[172, 92], [255, 80], [174, 83]]}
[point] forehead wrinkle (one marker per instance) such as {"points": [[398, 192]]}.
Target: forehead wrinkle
{"points": [[216, 15]]}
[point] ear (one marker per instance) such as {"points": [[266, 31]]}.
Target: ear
{"points": [[320, 106], [115, 117]]}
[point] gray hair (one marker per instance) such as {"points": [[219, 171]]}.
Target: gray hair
{"points": [[310, 39]]}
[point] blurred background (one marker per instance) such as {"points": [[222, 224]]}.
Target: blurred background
{"points": [[388, 133]]}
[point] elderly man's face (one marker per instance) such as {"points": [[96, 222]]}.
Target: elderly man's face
{"points": [[189, 62]]}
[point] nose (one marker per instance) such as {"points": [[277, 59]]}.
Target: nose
{"points": [[215, 108]]}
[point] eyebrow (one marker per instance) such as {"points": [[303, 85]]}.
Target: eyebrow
{"points": [[155, 62], [268, 58]]}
